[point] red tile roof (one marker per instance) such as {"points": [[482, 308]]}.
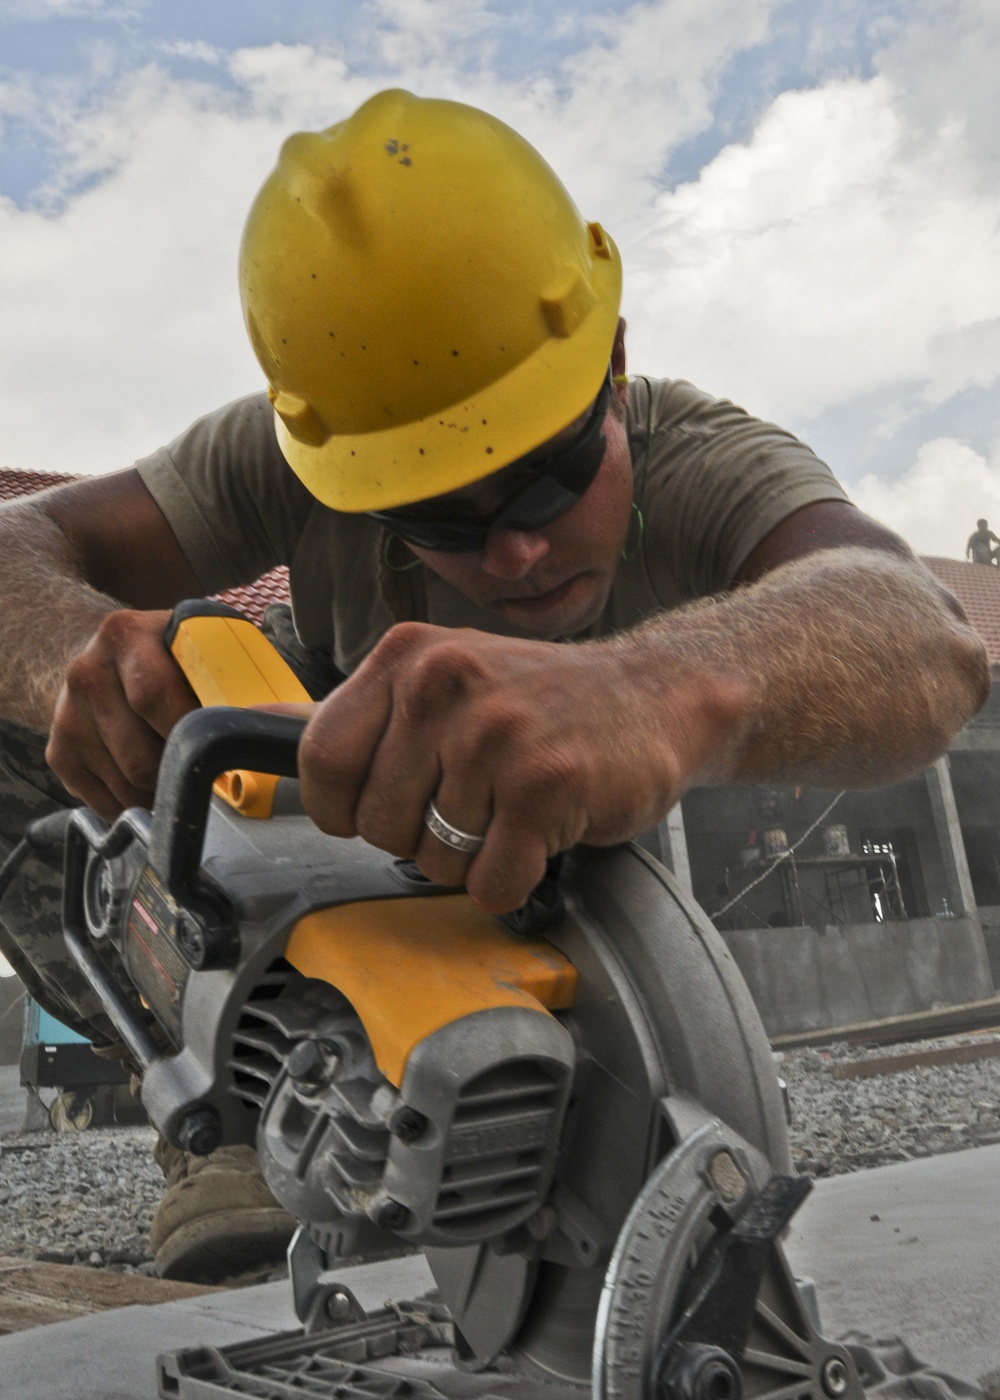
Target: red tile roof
{"points": [[252, 599], [976, 586], [17, 483]]}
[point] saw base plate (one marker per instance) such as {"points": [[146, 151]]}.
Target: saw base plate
{"points": [[403, 1350]]}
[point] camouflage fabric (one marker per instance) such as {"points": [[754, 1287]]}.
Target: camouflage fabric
{"points": [[31, 936]]}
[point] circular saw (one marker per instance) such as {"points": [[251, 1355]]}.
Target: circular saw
{"points": [[572, 1111]]}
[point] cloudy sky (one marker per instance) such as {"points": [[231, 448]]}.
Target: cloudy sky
{"points": [[806, 194]]}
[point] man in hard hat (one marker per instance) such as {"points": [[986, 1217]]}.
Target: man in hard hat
{"points": [[462, 479]]}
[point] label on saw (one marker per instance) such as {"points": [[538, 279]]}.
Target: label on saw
{"points": [[154, 962]]}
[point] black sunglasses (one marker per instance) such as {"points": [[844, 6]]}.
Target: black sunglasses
{"points": [[558, 480]]}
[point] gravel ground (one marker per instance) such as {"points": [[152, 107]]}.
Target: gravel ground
{"points": [[846, 1125], [80, 1198], [88, 1198]]}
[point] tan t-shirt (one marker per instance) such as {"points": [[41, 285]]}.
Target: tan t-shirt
{"points": [[716, 483]]}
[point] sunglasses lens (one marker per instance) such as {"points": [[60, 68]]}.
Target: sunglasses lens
{"points": [[562, 478]]}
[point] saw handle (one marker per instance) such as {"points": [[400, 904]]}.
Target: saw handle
{"points": [[202, 745], [228, 661]]}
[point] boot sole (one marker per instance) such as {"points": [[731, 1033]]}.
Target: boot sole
{"points": [[221, 1245]]}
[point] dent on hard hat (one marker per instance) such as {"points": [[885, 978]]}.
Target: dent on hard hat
{"points": [[425, 299]]}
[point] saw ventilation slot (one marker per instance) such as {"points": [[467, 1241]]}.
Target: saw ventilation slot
{"points": [[260, 1042], [496, 1149]]}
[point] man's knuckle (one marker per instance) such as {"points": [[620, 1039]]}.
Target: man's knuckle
{"points": [[139, 770], [117, 627], [399, 642], [318, 761], [83, 676], [141, 778], [446, 668], [58, 754], [406, 634], [144, 691]]}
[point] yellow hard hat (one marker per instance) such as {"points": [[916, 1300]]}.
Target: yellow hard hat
{"points": [[425, 299]]}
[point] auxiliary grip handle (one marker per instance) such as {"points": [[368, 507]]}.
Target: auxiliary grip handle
{"points": [[202, 745], [229, 661]]}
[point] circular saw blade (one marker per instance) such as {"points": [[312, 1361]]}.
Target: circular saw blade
{"points": [[557, 1339]]}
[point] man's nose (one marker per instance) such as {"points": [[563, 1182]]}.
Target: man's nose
{"points": [[510, 554]]}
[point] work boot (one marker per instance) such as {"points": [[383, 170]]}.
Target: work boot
{"points": [[217, 1218]]}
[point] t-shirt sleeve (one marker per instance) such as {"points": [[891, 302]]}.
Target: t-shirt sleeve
{"points": [[717, 483], [235, 506]]}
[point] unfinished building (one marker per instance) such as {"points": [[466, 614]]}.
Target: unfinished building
{"points": [[847, 907]]}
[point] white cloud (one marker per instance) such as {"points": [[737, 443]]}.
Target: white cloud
{"points": [[294, 86], [120, 308], [850, 247], [433, 35], [647, 82], [828, 258], [943, 63], [963, 358], [936, 503], [195, 50], [121, 315]]}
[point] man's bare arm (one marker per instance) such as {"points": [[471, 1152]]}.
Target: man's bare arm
{"points": [[880, 624], [857, 669], [839, 662], [81, 568]]}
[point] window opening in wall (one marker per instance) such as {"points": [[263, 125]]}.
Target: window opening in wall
{"points": [[825, 882]]}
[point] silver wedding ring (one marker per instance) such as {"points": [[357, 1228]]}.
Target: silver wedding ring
{"points": [[450, 835]]}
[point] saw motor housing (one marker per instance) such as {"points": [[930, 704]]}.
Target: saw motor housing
{"points": [[441, 1126]]}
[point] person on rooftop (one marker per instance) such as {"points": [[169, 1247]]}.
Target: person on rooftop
{"points": [[979, 547]]}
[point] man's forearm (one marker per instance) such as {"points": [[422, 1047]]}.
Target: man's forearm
{"points": [[854, 669], [49, 611]]}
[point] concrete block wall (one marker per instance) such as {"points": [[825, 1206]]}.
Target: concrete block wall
{"points": [[809, 979], [990, 917]]}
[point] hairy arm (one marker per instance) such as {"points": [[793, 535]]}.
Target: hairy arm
{"points": [[49, 612], [855, 669], [870, 664], [87, 571]]}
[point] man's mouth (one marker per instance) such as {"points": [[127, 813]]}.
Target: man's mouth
{"points": [[538, 602]]}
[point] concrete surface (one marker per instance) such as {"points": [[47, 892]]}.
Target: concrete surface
{"points": [[112, 1355], [924, 1270]]}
